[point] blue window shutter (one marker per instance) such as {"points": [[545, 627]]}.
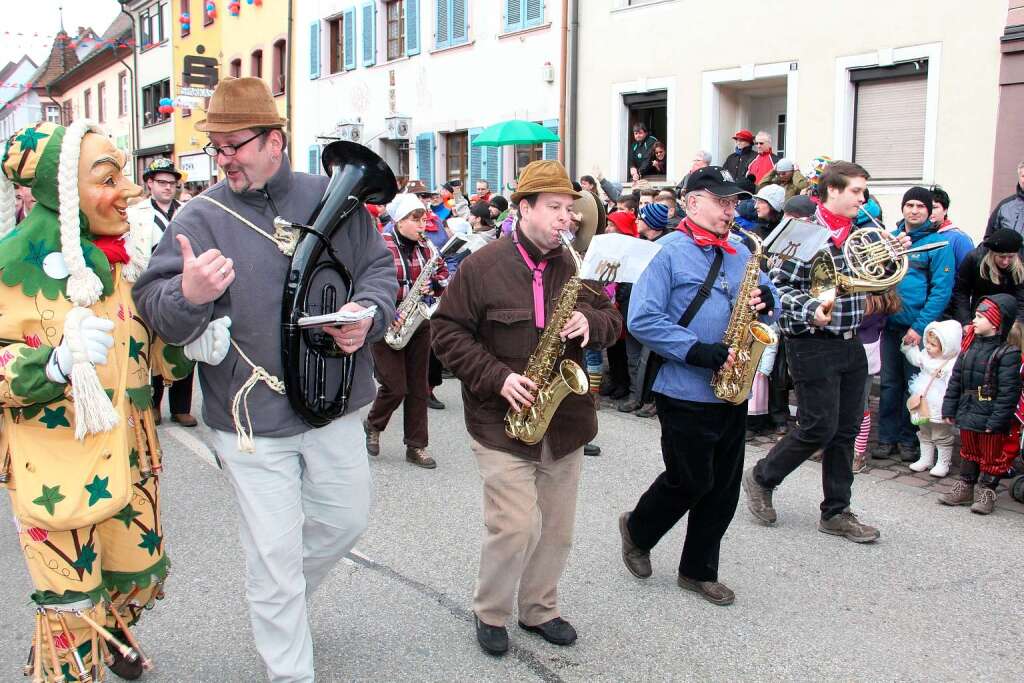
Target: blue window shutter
{"points": [[412, 27], [425, 158], [492, 168], [369, 34], [533, 13], [551, 148], [441, 18], [476, 161], [513, 15], [314, 159], [349, 21], [314, 50], [458, 21]]}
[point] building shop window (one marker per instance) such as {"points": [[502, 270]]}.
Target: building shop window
{"points": [[256, 64], [450, 27], [123, 95], [235, 68], [87, 104], [53, 113], [343, 38], [280, 67], [185, 10], [457, 156], [101, 102], [396, 29], [67, 113], [890, 105], [650, 109], [151, 96], [151, 25]]}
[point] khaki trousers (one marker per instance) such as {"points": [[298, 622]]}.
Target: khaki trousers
{"points": [[529, 513]]}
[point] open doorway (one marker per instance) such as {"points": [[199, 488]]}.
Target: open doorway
{"points": [[650, 109], [754, 105]]}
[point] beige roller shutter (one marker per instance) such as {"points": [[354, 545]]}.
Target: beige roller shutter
{"points": [[889, 129]]}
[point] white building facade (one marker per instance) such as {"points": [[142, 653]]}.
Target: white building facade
{"points": [[416, 81], [154, 78]]}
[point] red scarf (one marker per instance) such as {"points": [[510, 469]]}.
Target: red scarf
{"points": [[761, 166], [113, 248], [705, 238], [838, 226]]}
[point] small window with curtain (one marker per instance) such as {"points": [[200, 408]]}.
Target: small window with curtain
{"points": [[256, 64], [337, 53], [457, 156], [123, 94], [396, 29], [185, 10], [87, 104], [890, 106], [101, 102], [235, 68], [280, 67]]}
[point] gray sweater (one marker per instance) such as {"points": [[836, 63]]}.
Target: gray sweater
{"points": [[254, 299]]}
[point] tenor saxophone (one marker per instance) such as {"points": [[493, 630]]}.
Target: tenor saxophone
{"points": [[745, 335], [529, 424]]}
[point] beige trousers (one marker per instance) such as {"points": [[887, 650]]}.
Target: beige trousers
{"points": [[529, 513]]}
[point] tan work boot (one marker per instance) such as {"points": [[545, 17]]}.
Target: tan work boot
{"points": [[419, 457], [372, 439], [847, 525], [984, 501], [759, 498], [962, 493]]}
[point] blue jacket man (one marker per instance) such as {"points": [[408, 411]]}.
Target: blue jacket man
{"points": [[924, 293]]}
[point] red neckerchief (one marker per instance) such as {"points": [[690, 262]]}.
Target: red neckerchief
{"points": [[946, 224], [838, 226], [705, 238], [113, 248]]}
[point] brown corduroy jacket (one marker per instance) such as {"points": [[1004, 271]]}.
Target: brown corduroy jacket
{"points": [[484, 330]]}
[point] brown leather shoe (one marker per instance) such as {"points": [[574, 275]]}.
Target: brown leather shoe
{"points": [[184, 419], [419, 457], [759, 498], [984, 501], [714, 592], [156, 416], [372, 439], [847, 525], [637, 561]]}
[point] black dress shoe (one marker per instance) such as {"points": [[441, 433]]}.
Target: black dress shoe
{"points": [[909, 452], [432, 402], [493, 639], [558, 631], [128, 670], [592, 449]]}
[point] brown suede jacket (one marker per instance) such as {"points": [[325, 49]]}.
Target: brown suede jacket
{"points": [[484, 330]]}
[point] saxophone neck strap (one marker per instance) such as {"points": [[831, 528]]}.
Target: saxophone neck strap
{"points": [[283, 238], [538, 282]]}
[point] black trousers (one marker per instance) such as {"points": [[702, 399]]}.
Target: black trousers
{"points": [[828, 376], [778, 387], [434, 369], [180, 394], [702, 445]]}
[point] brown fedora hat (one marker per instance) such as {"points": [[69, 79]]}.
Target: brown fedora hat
{"points": [[240, 103], [543, 176]]}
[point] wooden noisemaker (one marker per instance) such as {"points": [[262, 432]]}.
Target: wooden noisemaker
{"points": [[125, 651], [52, 647], [83, 675], [155, 457], [140, 440], [147, 663], [37, 664]]}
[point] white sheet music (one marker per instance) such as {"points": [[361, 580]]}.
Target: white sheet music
{"points": [[617, 258]]}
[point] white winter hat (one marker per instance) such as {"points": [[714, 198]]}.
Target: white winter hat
{"points": [[775, 195], [783, 165], [402, 205]]}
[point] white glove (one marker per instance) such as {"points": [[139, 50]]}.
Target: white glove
{"points": [[97, 340], [213, 344]]}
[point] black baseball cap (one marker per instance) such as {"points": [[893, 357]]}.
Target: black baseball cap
{"points": [[714, 180]]}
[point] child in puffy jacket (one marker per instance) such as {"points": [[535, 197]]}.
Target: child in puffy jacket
{"points": [[981, 399], [928, 387]]}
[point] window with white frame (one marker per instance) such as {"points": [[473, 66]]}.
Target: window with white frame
{"points": [[151, 25], [889, 124], [53, 113]]}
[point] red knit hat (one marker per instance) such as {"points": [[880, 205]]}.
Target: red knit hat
{"points": [[744, 135], [624, 221], [991, 313]]}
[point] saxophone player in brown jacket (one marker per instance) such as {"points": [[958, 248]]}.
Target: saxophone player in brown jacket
{"points": [[489, 322]]}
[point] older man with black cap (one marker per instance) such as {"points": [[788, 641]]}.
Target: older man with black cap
{"points": [[485, 334], [303, 494], [680, 308]]}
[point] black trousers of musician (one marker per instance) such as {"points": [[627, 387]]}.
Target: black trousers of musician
{"points": [[778, 387], [828, 376], [434, 369], [702, 445], [403, 378], [179, 395]]}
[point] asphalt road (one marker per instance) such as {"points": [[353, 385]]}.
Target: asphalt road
{"points": [[938, 597]]}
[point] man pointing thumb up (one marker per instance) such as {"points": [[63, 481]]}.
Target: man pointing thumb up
{"points": [[205, 277]]}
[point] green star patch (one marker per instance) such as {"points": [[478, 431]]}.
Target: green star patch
{"points": [[85, 559], [97, 489], [55, 417], [37, 252], [30, 139], [151, 541], [135, 348], [50, 498], [127, 515]]}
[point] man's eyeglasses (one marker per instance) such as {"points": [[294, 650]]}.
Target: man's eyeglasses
{"points": [[761, 142], [723, 202], [230, 150], [165, 183]]}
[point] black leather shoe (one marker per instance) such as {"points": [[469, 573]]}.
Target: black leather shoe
{"points": [[884, 451], [592, 449], [493, 639], [909, 452], [128, 670], [432, 402], [558, 631]]}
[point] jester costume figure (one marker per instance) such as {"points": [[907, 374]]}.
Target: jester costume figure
{"points": [[78, 448]]}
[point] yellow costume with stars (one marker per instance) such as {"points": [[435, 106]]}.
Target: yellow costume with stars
{"points": [[88, 509]]}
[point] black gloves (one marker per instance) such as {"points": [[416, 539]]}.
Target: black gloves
{"points": [[768, 300], [711, 356]]}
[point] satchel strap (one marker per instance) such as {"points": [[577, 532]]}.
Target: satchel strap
{"points": [[705, 290]]}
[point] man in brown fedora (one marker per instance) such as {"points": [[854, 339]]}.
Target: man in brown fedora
{"points": [[485, 334], [303, 494]]}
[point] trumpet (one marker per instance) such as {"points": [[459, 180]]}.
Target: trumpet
{"points": [[876, 260]]}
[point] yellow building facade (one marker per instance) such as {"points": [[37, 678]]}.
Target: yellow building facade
{"points": [[256, 42]]}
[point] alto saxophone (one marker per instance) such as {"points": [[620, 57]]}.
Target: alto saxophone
{"points": [[745, 335], [529, 424], [415, 309]]}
